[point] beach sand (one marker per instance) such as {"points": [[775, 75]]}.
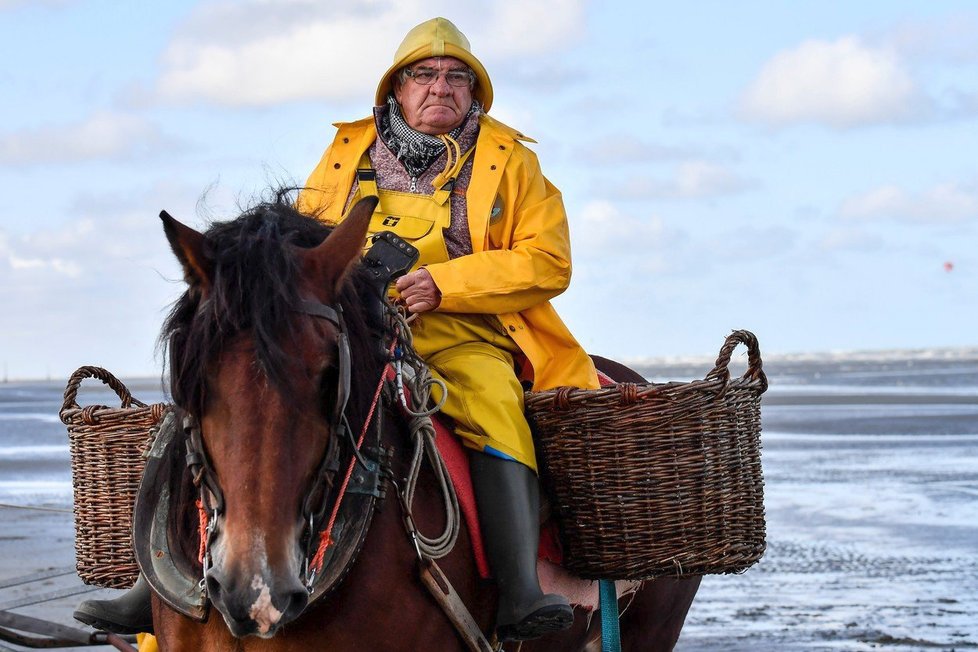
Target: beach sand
{"points": [[33, 543]]}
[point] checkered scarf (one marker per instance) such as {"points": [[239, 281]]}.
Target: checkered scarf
{"points": [[417, 151]]}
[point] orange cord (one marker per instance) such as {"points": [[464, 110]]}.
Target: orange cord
{"points": [[325, 537], [202, 530]]}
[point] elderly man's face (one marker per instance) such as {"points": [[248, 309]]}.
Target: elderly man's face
{"points": [[438, 108]]}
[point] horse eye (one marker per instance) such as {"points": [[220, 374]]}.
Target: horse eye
{"points": [[327, 381]]}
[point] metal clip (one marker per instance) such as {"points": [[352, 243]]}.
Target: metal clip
{"points": [[310, 576], [202, 584]]}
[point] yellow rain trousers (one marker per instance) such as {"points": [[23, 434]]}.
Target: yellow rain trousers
{"points": [[471, 353]]}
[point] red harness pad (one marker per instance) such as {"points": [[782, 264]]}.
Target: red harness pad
{"points": [[457, 462]]}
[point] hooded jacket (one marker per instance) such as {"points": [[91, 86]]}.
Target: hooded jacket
{"points": [[520, 245]]}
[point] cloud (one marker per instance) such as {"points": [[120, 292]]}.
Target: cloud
{"points": [[617, 149], [850, 240], [610, 243], [314, 61], [952, 38], [42, 255], [745, 245], [841, 84], [944, 50], [514, 28], [294, 50], [695, 179], [104, 135], [6, 5], [111, 234], [601, 225], [74, 250], [92, 290], [944, 203], [961, 103]]}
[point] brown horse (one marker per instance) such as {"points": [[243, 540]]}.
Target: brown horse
{"points": [[275, 357]]}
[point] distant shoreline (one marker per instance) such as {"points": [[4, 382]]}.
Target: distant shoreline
{"points": [[957, 354], [867, 355]]}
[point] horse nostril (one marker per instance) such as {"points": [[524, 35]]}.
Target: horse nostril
{"points": [[213, 585], [297, 601]]}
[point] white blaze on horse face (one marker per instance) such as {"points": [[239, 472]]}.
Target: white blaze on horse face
{"points": [[262, 611]]}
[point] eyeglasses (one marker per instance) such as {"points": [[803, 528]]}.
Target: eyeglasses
{"points": [[428, 76]]}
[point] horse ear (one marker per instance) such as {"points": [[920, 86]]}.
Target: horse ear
{"points": [[188, 246], [335, 257]]}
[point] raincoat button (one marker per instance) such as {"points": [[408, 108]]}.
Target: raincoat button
{"points": [[512, 328], [502, 147], [492, 167], [346, 140], [336, 166]]}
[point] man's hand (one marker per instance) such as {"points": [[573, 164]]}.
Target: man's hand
{"points": [[418, 290]]}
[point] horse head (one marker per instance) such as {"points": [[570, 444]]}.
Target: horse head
{"points": [[257, 370]]}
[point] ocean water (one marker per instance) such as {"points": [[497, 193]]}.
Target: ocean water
{"points": [[871, 497], [34, 454]]}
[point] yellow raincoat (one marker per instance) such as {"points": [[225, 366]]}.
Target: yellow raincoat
{"points": [[520, 244]]}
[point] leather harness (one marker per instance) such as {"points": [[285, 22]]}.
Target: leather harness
{"points": [[173, 577]]}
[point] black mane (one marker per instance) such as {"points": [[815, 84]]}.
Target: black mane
{"points": [[254, 291]]}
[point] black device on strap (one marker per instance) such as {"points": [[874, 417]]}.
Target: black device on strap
{"points": [[388, 258]]}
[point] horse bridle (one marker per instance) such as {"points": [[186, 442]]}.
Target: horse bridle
{"points": [[339, 422], [388, 257], [212, 498], [212, 501]]}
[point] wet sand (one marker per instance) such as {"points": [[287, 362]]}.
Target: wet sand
{"points": [[871, 494], [35, 543], [872, 511]]}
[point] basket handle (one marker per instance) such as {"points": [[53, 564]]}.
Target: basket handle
{"points": [[755, 370], [71, 391]]}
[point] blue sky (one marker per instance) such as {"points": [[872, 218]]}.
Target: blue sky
{"points": [[802, 170]]}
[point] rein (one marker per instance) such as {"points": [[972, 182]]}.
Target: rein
{"points": [[325, 537]]}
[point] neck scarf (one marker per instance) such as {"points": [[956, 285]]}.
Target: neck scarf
{"points": [[416, 150]]}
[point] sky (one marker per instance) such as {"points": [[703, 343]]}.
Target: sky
{"points": [[806, 171]]}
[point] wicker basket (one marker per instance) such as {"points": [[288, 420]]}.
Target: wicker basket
{"points": [[107, 446], [654, 480]]}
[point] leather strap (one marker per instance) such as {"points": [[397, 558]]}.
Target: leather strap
{"points": [[450, 602]]}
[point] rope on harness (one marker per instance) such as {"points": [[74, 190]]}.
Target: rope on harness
{"points": [[423, 436], [201, 529], [326, 536]]}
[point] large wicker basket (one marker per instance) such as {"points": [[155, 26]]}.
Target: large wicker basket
{"points": [[107, 446], [654, 480]]}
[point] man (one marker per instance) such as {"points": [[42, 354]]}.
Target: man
{"points": [[493, 238], [494, 246]]}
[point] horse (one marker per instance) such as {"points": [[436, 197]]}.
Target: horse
{"points": [[276, 357]]}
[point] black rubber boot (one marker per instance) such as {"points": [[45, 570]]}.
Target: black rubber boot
{"points": [[130, 613], [508, 498]]}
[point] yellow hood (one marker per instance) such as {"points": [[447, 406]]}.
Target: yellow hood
{"points": [[437, 37]]}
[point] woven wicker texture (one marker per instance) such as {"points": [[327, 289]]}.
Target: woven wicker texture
{"points": [[107, 446], [654, 480]]}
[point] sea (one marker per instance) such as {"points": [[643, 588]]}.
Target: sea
{"points": [[871, 499]]}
